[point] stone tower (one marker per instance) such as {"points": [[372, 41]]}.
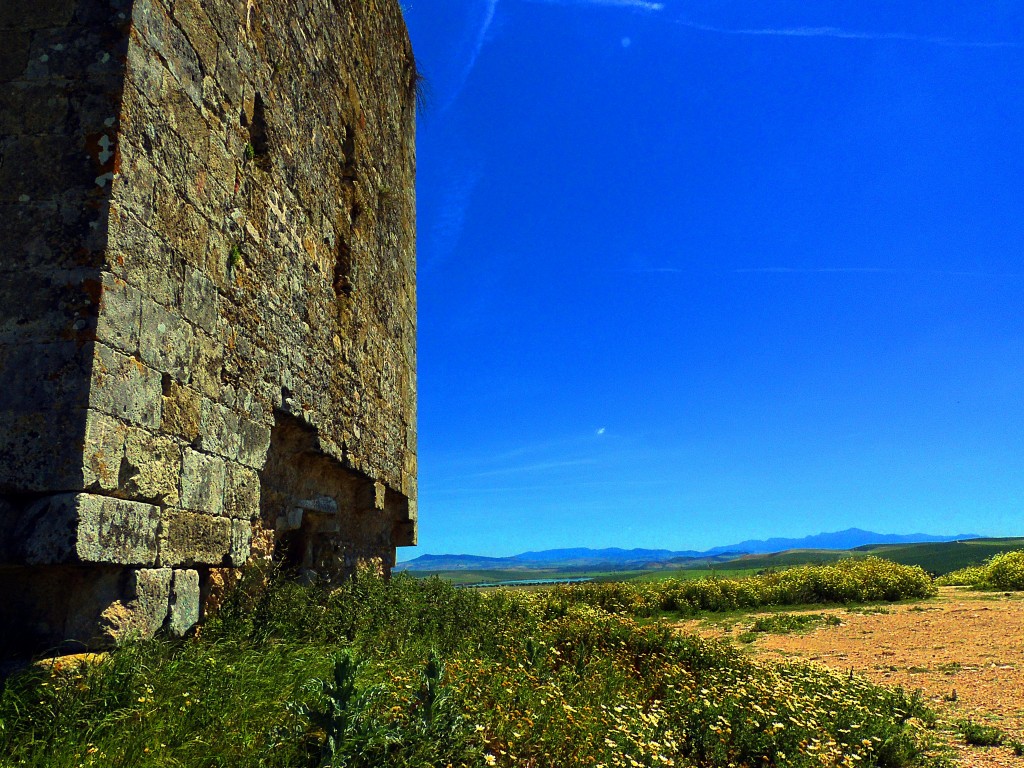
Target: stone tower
{"points": [[207, 303]]}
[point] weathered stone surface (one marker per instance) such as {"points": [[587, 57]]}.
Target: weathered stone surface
{"points": [[184, 602], [120, 313], [41, 451], [151, 468], [207, 294], [202, 482], [167, 342], [187, 538], [84, 623], [143, 609], [119, 605], [201, 302], [241, 542], [254, 442], [241, 492], [182, 410], [127, 461], [124, 387], [84, 528], [209, 363], [104, 449], [218, 430]]}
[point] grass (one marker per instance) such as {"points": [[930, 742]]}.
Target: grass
{"points": [[417, 673], [792, 557], [944, 557], [868, 610], [937, 558], [469, 578], [979, 735], [235, 256], [692, 574], [787, 623]]}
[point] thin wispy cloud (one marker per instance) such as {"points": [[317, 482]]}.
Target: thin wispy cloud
{"points": [[817, 270], [870, 271], [640, 5], [658, 271], [543, 466], [827, 271], [477, 45], [450, 217], [619, 484], [847, 34]]}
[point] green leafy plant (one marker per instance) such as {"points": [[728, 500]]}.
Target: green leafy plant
{"points": [[785, 623], [334, 713], [979, 735]]}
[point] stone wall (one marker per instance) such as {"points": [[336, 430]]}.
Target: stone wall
{"points": [[207, 302]]}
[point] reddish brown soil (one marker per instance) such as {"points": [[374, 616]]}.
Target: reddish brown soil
{"points": [[964, 650]]}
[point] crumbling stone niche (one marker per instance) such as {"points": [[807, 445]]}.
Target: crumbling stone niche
{"points": [[302, 490], [207, 304]]}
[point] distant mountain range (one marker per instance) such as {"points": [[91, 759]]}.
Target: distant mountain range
{"points": [[599, 559]]}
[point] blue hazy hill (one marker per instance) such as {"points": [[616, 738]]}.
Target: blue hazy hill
{"points": [[615, 557]]}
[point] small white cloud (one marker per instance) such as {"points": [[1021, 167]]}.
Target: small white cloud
{"points": [[601, 430], [626, 42]]}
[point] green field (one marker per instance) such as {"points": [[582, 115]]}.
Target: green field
{"points": [[938, 558], [464, 578], [943, 558]]}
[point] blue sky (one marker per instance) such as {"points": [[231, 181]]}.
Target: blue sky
{"points": [[697, 272]]}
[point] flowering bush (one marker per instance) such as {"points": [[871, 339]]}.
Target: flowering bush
{"points": [[861, 580]]}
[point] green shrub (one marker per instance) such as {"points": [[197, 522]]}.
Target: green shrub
{"points": [[1001, 572], [978, 735], [785, 623], [1006, 571], [846, 581]]}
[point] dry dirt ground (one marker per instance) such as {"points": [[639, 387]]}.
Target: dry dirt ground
{"points": [[964, 650]]}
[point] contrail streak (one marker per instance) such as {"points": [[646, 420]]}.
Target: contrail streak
{"points": [[845, 34], [642, 5], [478, 45]]}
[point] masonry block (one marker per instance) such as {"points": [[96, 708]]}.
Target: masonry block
{"points": [[219, 430], [188, 538], [202, 482], [241, 492], [85, 528], [182, 410], [185, 600], [125, 387]]}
